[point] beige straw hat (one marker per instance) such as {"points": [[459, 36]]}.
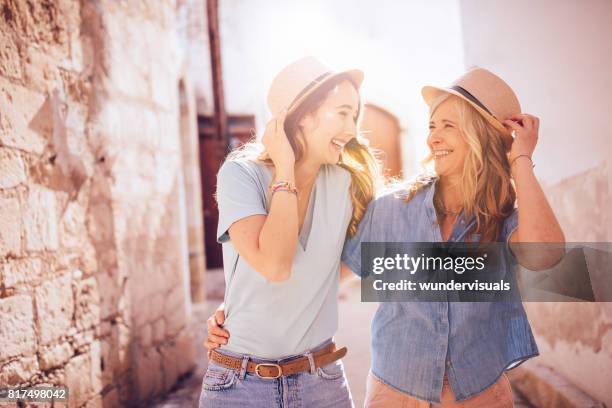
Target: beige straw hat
{"points": [[486, 92], [299, 79]]}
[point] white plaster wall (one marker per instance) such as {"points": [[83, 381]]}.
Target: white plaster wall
{"points": [[400, 46], [557, 56]]}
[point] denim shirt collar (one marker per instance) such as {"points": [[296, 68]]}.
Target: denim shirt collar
{"points": [[462, 226]]}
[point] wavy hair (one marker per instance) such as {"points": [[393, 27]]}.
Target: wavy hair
{"points": [[486, 185], [356, 156]]}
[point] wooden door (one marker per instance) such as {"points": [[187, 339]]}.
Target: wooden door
{"points": [[212, 154]]}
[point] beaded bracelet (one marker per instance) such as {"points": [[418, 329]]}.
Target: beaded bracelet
{"points": [[288, 190], [283, 186]]}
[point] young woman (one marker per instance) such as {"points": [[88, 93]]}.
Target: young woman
{"points": [[454, 354], [285, 208]]}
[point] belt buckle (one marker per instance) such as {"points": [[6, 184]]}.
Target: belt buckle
{"points": [[280, 370]]}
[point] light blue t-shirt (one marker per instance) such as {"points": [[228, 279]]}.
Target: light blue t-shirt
{"points": [[273, 320]]}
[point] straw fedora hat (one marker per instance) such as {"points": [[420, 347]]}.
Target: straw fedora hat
{"points": [[301, 78], [487, 93]]}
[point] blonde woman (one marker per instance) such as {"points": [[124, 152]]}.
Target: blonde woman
{"points": [[454, 354], [285, 208]]}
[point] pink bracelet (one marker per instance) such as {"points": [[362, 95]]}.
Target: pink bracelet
{"points": [[284, 189], [283, 186]]}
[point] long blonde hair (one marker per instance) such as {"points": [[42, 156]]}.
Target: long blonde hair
{"points": [[356, 156], [486, 185]]}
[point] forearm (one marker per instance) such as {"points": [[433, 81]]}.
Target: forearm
{"points": [[537, 224], [279, 234], [536, 219]]}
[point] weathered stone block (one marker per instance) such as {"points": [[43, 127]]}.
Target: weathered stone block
{"points": [[17, 271], [12, 169], [87, 305], [18, 371], [114, 352], [78, 380], [96, 366], [159, 330], [148, 372], [145, 335], [40, 219], [111, 291], [9, 55], [28, 127], [171, 357], [81, 340], [131, 79], [41, 67], [185, 342], [73, 226], [175, 312], [166, 176], [164, 91], [147, 309], [54, 307], [178, 358], [16, 329], [10, 227], [55, 356]]}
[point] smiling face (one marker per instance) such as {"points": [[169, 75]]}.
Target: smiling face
{"points": [[446, 142], [327, 129]]}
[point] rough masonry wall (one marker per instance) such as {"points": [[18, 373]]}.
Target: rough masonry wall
{"points": [[576, 338], [94, 275]]}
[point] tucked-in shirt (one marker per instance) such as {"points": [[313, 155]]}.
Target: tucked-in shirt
{"points": [[415, 343], [273, 320]]}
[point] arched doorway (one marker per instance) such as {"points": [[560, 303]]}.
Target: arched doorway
{"points": [[383, 131], [193, 197]]}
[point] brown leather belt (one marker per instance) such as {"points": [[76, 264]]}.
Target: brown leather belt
{"points": [[271, 370]]}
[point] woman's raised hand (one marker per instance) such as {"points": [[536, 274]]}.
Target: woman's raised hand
{"points": [[525, 129], [276, 143]]}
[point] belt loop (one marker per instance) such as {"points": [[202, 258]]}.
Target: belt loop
{"points": [[313, 369], [243, 368]]}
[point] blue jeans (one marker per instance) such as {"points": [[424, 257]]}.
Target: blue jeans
{"points": [[226, 388]]}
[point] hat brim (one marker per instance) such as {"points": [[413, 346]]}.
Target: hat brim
{"points": [[430, 93], [356, 76]]}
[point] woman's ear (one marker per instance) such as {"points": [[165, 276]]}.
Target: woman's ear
{"points": [[304, 121], [307, 122]]}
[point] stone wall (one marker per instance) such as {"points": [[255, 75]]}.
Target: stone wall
{"points": [[576, 338], [94, 244]]}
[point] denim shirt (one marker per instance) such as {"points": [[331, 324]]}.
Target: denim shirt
{"points": [[415, 343]]}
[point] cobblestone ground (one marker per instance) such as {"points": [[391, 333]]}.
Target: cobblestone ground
{"points": [[352, 332]]}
